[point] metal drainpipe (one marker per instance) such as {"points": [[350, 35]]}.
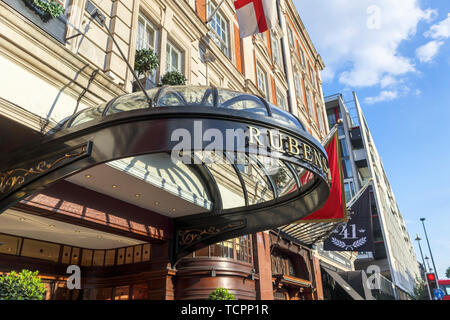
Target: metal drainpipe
{"points": [[283, 52]]}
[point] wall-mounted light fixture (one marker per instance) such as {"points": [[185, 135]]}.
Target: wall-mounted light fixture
{"points": [[213, 272], [252, 276]]}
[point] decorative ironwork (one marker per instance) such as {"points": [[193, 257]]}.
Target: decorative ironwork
{"points": [[12, 179], [189, 236]]}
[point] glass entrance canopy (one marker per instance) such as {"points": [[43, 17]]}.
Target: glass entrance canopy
{"points": [[187, 97], [272, 174]]}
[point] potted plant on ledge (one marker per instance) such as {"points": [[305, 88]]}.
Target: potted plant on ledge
{"points": [[173, 78], [145, 62], [46, 9]]}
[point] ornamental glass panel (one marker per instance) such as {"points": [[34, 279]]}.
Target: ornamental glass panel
{"points": [[131, 101], [181, 96], [238, 101], [285, 117], [227, 180], [306, 178], [160, 171], [280, 174], [256, 182], [88, 114]]}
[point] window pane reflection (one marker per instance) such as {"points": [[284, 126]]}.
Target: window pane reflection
{"points": [[131, 101], [305, 177], [182, 96], [238, 249], [280, 174], [89, 115], [228, 183], [256, 182]]}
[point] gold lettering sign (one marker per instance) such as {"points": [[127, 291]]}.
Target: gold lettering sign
{"points": [[284, 143]]}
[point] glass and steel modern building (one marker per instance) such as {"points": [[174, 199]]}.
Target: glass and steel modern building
{"points": [[394, 252]]}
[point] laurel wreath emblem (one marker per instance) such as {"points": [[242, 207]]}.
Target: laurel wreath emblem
{"points": [[356, 244]]}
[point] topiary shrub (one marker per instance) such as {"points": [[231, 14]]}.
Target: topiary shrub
{"points": [[25, 285], [173, 78], [221, 294], [145, 61]]}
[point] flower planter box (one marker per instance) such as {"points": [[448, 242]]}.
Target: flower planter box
{"points": [[56, 27]]}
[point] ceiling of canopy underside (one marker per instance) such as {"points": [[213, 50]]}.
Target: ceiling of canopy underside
{"points": [[174, 189]]}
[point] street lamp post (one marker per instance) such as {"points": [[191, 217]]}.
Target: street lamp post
{"points": [[428, 263], [424, 266], [431, 253]]}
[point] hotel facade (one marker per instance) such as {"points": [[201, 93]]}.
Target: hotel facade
{"points": [[114, 220]]}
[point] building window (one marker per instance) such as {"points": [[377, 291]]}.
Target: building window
{"points": [[347, 168], [173, 58], [147, 39], [281, 100], [312, 76], [310, 104], [290, 36], [344, 149], [320, 119], [298, 86], [331, 117], [261, 78], [276, 50], [220, 27], [147, 34], [349, 190], [302, 55], [279, 295], [238, 249]]}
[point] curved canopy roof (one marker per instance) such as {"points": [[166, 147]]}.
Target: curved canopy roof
{"points": [[218, 194], [187, 96]]}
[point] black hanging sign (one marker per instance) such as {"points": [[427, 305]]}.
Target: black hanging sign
{"points": [[357, 234]]}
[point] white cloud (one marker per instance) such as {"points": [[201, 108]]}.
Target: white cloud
{"points": [[427, 52], [359, 40], [384, 95], [440, 30]]}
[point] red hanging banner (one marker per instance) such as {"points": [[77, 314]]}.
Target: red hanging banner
{"points": [[335, 209]]}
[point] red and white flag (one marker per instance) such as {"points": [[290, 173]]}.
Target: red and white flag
{"points": [[255, 16]]}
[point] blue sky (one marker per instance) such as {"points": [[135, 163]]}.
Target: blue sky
{"points": [[396, 56]]}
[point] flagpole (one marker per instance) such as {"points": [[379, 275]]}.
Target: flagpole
{"points": [[359, 193], [331, 133]]}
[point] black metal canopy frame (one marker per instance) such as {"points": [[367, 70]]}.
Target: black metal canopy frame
{"points": [[280, 186]]}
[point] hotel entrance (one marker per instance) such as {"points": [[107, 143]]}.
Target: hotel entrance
{"points": [[103, 193]]}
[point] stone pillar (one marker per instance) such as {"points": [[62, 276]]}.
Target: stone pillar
{"points": [[120, 27], [263, 266]]}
